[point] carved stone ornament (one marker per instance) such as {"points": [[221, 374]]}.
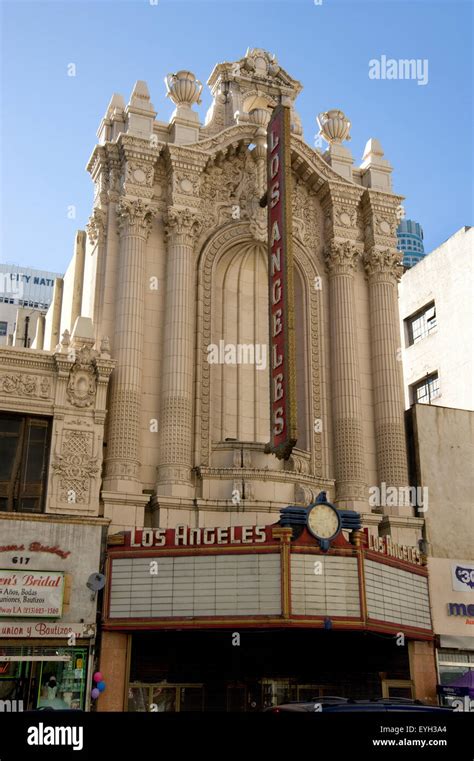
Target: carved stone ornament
{"points": [[387, 262], [75, 466], [135, 217], [341, 257], [82, 383], [96, 226], [182, 223], [25, 385], [139, 173]]}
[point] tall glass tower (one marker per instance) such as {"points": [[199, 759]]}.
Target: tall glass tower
{"points": [[410, 241]]}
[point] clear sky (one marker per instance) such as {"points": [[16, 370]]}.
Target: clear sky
{"points": [[49, 119]]}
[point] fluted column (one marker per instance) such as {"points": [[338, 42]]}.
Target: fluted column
{"points": [[175, 422], [341, 259], [384, 269], [122, 464]]}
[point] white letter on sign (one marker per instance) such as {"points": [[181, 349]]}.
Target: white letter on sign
{"points": [[276, 292], [275, 233], [273, 142], [274, 166], [277, 358], [279, 423], [278, 387], [275, 194], [277, 324]]}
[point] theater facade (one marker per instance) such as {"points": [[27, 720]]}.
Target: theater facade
{"points": [[172, 273]]}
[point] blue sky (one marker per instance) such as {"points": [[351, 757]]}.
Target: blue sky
{"points": [[49, 119]]}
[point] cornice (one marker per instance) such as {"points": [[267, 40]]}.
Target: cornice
{"points": [[11, 356], [261, 474]]}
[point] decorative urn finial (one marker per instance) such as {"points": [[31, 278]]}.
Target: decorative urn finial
{"points": [[183, 88], [334, 126]]}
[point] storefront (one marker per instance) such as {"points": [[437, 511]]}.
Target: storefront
{"points": [[241, 618], [47, 611], [452, 594]]}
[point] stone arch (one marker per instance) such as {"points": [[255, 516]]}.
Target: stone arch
{"points": [[216, 246]]}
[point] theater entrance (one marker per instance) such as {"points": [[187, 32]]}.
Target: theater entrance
{"points": [[204, 670]]}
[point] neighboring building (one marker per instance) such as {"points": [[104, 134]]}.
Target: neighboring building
{"points": [[410, 241], [52, 412], [437, 325], [25, 296], [204, 524], [442, 449]]}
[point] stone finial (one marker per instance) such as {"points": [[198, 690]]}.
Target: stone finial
{"points": [[334, 126], [63, 346], [105, 346], [183, 88], [140, 97], [139, 112], [116, 106], [376, 170]]}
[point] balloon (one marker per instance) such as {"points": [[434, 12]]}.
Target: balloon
{"points": [[101, 686], [95, 693], [97, 676]]}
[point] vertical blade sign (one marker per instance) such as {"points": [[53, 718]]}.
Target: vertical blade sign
{"points": [[281, 295]]}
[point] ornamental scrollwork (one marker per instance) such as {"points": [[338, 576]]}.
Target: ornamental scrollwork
{"points": [[82, 382]]}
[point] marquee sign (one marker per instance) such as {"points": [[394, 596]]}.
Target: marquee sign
{"points": [[281, 296]]}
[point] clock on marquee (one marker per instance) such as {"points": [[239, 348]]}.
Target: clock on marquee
{"points": [[323, 521]]}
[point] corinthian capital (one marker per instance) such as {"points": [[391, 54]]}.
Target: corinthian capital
{"points": [[135, 217], [96, 226], [341, 257], [183, 225], [384, 263]]}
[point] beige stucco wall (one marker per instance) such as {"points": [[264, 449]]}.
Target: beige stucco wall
{"points": [[445, 276], [445, 464]]}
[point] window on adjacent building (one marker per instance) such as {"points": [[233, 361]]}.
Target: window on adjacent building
{"points": [[3, 328], [421, 324], [24, 449], [425, 390]]}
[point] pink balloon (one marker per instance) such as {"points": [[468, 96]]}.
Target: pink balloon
{"points": [[95, 693], [98, 676]]}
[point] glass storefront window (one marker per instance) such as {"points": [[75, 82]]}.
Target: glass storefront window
{"points": [[62, 683], [47, 677]]}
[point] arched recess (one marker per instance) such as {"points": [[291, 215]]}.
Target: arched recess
{"points": [[230, 257]]}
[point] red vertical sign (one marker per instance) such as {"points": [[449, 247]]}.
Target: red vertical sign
{"points": [[280, 274]]}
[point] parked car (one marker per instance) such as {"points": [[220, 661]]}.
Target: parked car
{"points": [[335, 704]]}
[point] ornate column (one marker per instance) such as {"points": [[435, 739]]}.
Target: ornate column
{"points": [[175, 422], [383, 267], [122, 464], [383, 270], [341, 260]]}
